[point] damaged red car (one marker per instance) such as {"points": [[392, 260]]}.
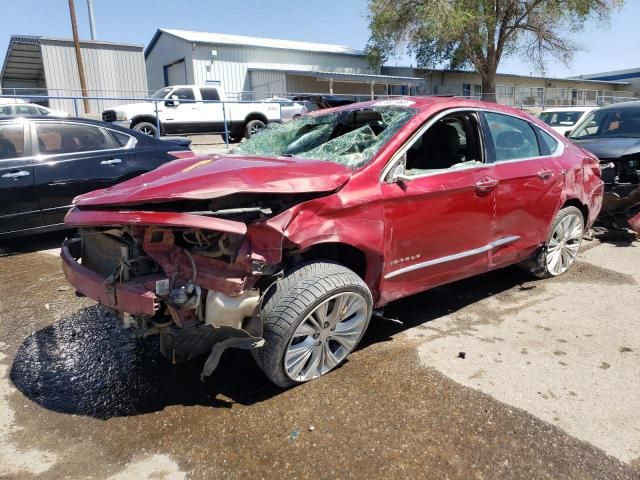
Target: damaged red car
{"points": [[291, 243]]}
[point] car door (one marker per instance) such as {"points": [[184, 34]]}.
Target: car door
{"points": [[438, 213], [525, 162], [76, 158], [19, 207], [211, 110], [180, 111]]}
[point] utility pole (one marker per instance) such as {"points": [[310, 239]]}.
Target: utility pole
{"points": [[76, 43], [92, 20]]}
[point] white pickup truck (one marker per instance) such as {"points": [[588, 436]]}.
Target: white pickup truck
{"points": [[195, 109]]}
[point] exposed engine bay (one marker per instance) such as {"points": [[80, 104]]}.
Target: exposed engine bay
{"points": [[199, 289], [621, 201]]}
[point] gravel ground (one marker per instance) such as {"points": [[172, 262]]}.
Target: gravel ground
{"points": [[546, 389]]}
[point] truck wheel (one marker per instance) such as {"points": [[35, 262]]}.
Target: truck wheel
{"points": [[313, 318], [561, 248], [147, 128], [253, 127]]}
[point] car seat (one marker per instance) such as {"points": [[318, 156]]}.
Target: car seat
{"points": [[439, 148], [7, 149]]}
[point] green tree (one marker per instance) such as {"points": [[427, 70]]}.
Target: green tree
{"points": [[480, 33]]}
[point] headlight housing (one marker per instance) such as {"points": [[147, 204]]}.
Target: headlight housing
{"points": [[121, 116]]}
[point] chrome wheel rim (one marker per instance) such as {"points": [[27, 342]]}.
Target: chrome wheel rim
{"points": [[148, 131], [326, 336], [564, 244], [255, 128]]}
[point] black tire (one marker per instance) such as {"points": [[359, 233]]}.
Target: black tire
{"points": [[147, 128], [234, 138], [539, 266], [252, 127], [291, 300]]}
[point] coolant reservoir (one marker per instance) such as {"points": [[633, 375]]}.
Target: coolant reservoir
{"points": [[223, 310]]}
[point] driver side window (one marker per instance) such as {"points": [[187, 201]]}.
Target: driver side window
{"points": [[451, 142]]}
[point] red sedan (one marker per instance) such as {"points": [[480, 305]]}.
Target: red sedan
{"points": [[286, 245]]}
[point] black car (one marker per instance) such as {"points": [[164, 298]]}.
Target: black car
{"points": [[46, 162], [612, 133]]}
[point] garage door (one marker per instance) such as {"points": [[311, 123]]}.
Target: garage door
{"points": [[176, 73]]}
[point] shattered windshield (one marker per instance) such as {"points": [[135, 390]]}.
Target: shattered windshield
{"points": [[349, 138]]}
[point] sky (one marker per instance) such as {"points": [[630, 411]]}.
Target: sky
{"points": [[607, 47]]}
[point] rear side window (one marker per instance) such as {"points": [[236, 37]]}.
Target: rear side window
{"points": [[26, 110], [121, 138], [11, 141], [550, 143], [512, 137], [5, 110], [209, 94], [72, 138]]}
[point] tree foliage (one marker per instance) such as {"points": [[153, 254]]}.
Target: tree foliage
{"points": [[480, 33]]}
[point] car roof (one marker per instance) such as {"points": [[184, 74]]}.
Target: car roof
{"points": [[623, 105], [569, 109]]}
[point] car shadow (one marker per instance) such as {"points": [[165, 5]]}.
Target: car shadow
{"points": [[86, 364], [33, 243]]}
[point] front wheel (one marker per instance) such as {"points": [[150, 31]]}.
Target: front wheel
{"points": [[562, 245], [314, 317], [147, 128]]}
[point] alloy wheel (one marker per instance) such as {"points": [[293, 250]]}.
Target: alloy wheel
{"points": [[326, 336], [564, 244]]}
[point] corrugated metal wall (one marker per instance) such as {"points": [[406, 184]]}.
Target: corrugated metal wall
{"points": [[302, 84], [167, 50], [110, 70], [231, 63], [268, 84]]}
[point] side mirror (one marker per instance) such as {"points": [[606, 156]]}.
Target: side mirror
{"points": [[567, 133], [397, 173], [174, 102]]}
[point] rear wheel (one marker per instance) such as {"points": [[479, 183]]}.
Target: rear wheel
{"points": [[562, 245], [314, 318], [147, 128], [253, 127]]}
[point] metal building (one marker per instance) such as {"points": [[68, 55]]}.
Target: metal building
{"points": [[252, 67], [47, 66]]}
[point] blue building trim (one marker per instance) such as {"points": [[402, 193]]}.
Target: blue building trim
{"points": [[620, 76]]}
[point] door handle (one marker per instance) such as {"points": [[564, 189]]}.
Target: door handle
{"points": [[486, 184], [545, 174], [112, 161], [21, 173]]}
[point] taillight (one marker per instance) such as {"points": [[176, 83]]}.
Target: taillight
{"points": [[182, 154]]}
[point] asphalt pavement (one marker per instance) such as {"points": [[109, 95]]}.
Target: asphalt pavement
{"points": [[498, 376]]}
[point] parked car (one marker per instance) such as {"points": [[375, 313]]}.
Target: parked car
{"points": [[564, 119], [324, 101], [612, 133], [45, 162], [183, 111], [289, 244], [288, 108], [19, 109]]}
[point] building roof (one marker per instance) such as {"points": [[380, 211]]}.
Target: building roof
{"points": [[500, 74], [211, 38], [612, 75], [349, 77]]}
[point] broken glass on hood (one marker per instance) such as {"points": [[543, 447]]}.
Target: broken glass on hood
{"points": [[349, 138]]}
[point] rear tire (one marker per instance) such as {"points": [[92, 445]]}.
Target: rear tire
{"points": [[561, 248], [253, 127], [147, 128], [313, 318]]}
